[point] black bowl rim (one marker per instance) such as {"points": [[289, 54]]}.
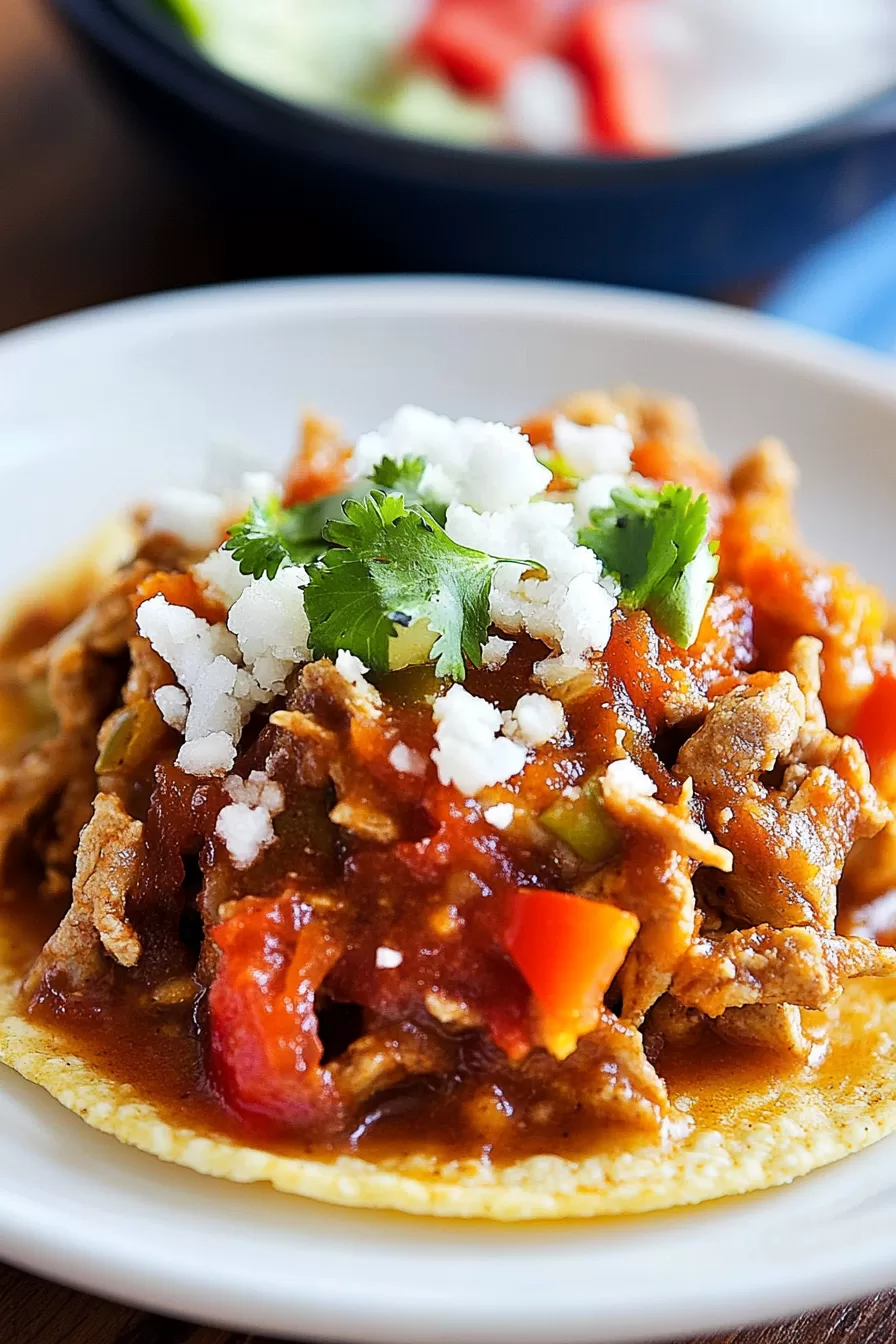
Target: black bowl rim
{"points": [[149, 41]]}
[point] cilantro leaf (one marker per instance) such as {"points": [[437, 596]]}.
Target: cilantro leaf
{"points": [[391, 564], [404, 478], [399, 477], [656, 543], [269, 534]]}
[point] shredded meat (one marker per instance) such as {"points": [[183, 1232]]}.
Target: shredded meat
{"points": [[339, 725], [671, 826], [609, 1075], [383, 1058], [771, 1026], [789, 843], [148, 672], [767, 965], [653, 880], [106, 870], [83, 676], [655, 885], [390, 899]]}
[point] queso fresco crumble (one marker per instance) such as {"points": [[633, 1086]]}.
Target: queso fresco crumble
{"points": [[491, 510]]}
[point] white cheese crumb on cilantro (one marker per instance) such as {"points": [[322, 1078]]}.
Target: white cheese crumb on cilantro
{"points": [[468, 752], [534, 720]]}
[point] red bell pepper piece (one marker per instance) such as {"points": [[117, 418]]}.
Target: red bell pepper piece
{"points": [[604, 43], [476, 43], [265, 1050], [568, 949], [875, 722], [320, 467]]}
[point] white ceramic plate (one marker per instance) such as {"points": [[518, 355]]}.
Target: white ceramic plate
{"points": [[98, 409]]}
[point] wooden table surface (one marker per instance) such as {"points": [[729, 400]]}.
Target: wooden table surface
{"points": [[89, 211]]}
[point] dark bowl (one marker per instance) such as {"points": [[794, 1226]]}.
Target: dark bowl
{"points": [[694, 223]]}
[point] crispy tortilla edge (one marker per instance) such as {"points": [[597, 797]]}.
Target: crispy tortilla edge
{"points": [[756, 1140]]}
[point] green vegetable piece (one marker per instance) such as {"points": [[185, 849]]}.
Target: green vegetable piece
{"points": [[188, 15], [390, 565], [583, 824], [128, 736], [656, 544], [270, 535]]}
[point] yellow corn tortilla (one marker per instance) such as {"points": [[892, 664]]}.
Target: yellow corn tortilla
{"points": [[757, 1133]]}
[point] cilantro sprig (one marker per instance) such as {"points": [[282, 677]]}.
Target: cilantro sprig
{"points": [[270, 534], [656, 544], [405, 477], [391, 564]]}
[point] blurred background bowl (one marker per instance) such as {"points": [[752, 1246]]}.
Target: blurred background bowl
{"points": [[695, 223]]}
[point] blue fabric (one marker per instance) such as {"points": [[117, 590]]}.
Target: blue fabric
{"points": [[848, 286]]}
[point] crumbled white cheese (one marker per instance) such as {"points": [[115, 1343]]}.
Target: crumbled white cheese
{"points": [[488, 466], [630, 778], [596, 493], [534, 720], [271, 628], [351, 668], [220, 573], [495, 651], [256, 791], [246, 831], [592, 449], [468, 752], [172, 704], [544, 104], [570, 608], [246, 823], [197, 517], [406, 761], [387, 958], [205, 659], [500, 815], [212, 755], [260, 485]]}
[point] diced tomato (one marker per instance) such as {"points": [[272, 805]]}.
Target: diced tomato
{"points": [[875, 723], [568, 949], [320, 467], [680, 461], [181, 590], [605, 44], [265, 1050], [476, 43]]}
